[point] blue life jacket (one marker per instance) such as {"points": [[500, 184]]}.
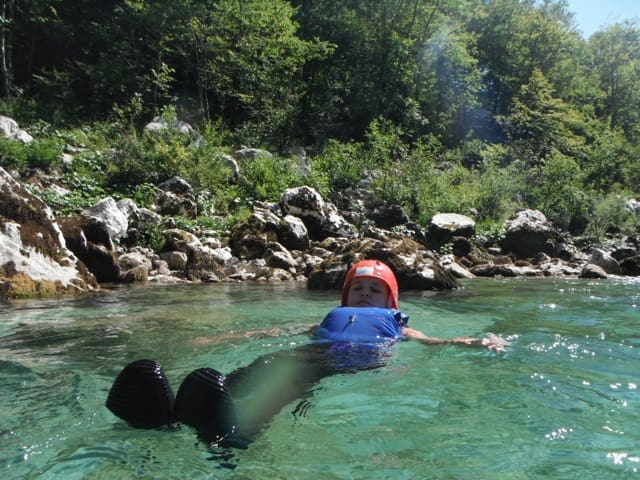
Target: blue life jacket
{"points": [[361, 325]]}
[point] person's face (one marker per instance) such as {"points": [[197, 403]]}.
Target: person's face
{"points": [[368, 292]]}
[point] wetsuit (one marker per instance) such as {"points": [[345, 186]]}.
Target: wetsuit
{"points": [[348, 339]]}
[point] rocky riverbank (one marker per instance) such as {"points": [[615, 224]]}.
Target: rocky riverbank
{"points": [[301, 238]]}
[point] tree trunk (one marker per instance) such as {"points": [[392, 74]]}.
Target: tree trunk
{"points": [[4, 34]]}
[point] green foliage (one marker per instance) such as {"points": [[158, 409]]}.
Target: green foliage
{"points": [[616, 61], [611, 212], [499, 189], [388, 156], [13, 154], [465, 107], [42, 154], [149, 158], [224, 223], [558, 190], [492, 231], [612, 164], [85, 184], [345, 164], [247, 56], [267, 176], [151, 237], [453, 190], [216, 223], [541, 123], [19, 107], [144, 195], [487, 192]]}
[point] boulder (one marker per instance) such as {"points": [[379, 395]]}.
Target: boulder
{"points": [[34, 259], [605, 261], [175, 260], [138, 217], [106, 211], [136, 258], [444, 226], [204, 265], [90, 241], [277, 256], [505, 270], [528, 233], [631, 266], [248, 153], [138, 274], [159, 125], [293, 234], [9, 129], [591, 270], [415, 267], [231, 163], [388, 216], [321, 218], [179, 240], [249, 239], [176, 197]]}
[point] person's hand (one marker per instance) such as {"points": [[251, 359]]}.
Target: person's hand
{"points": [[494, 343]]}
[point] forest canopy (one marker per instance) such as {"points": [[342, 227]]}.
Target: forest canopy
{"points": [[476, 105]]}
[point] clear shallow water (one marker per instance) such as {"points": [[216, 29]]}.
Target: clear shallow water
{"points": [[562, 403]]}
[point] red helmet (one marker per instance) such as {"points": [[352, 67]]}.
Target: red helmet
{"points": [[372, 269]]}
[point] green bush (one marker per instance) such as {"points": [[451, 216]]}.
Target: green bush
{"points": [[344, 164], [558, 190], [149, 158], [610, 212], [152, 238], [13, 154], [268, 176], [41, 154], [400, 166], [144, 195], [492, 231]]}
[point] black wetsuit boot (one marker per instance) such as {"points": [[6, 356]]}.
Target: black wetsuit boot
{"points": [[141, 395], [204, 403]]}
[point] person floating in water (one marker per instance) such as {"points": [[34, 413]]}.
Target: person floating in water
{"points": [[231, 410]]}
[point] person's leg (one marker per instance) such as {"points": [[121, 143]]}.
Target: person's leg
{"points": [[203, 402], [141, 395], [261, 389]]}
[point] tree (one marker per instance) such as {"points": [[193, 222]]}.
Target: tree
{"points": [[513, 38], [616, 59], [382, 66], [541, 123], [7, 13], [246, 60]]}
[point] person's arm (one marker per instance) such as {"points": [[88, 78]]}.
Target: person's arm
{"points": [[491, 341], [267, 332]]}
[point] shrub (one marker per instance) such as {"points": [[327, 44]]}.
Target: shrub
{"points": [[42, 154], [610, 212], [558, 191], [343, 164], [268, 176]]}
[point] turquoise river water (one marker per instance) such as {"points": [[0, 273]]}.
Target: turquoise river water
{"points": [[561, 403]]}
